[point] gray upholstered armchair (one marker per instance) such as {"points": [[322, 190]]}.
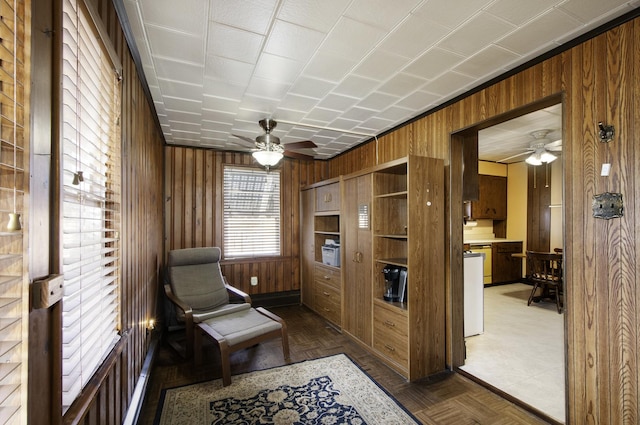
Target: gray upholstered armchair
{"points": [[199, 291]]}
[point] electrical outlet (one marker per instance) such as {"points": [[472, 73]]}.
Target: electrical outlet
{"points": [[254, 280]]}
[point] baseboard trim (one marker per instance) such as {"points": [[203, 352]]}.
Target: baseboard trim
{"points": [[140, 391], [276, 299]]}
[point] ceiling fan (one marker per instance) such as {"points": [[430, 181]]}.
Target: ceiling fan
{"points": [[541, 149], [267, 149]]}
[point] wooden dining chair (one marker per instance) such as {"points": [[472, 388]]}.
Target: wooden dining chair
{"points": [[544, 271]]}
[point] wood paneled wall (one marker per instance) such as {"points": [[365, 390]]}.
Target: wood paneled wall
{"points": [[106, 399], [598, 80], [193, 207]]}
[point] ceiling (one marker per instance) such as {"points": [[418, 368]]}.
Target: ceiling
{"points": [[341, 70]]}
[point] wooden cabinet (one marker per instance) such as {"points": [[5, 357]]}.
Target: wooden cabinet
{"points": [[392, 213], [321, 284], [504, 266], [391, 334], [357, 268], [492, 200], [307, 246], [327, 293], [328, 197], [408, 231]]}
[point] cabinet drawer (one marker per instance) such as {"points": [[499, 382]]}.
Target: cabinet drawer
{"points": [[328, 197], [327, 276], [390, 334], [328, 302]]}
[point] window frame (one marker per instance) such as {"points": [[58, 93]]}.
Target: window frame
{"points": [[250, 169]]}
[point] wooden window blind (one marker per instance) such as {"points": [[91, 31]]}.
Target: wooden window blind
{"points": [[13, 152], [251, 212], [91, 201]]}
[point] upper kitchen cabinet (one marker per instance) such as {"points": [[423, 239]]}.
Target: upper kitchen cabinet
{"points": [[492, 202]]}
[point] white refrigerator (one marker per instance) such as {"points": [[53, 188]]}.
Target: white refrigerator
{"points": [[473, 294]]}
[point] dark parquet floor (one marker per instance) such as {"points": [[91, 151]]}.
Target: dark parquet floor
{"points": [[448, 398]]}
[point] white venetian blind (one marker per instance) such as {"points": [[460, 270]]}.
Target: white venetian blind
{"points": [[251, 212], [91, 201], [14, 301]]}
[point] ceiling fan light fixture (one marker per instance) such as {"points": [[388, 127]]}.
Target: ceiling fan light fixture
{"points": [[547, 157], [533, 159], [267, 158]]}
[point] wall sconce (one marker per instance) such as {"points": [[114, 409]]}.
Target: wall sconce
{"points": [[606, 132], [151, 325]]}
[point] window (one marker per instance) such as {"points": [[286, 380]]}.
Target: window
{"points": [[251, 212], [90, 201]]}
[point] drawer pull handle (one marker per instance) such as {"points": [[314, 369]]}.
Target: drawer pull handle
{"points": [[327, 277], [389, 323], [390, 348], [326, 309], [325, 293]]}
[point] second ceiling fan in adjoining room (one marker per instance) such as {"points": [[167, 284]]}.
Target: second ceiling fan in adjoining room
{"points": [[542, 150]]}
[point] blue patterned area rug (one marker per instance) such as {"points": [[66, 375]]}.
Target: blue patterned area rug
{"points": [[331, 390]]}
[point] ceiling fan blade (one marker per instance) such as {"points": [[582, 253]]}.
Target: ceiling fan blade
{"points": [[300, 145], [554, 146], [298, 155], [246, 139], [514, 156]]}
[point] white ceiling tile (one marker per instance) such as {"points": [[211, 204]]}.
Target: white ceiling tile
{"points": [[376, 124], [220, 104], [356, 86], [396, 113], [179, 71], [191, 19], [329, 66], [414, 36], [320, 16], [267, 89], [150, 75], [222, 88], [450, 82], [380, 65], [217, 116], [381, 13], [299, 103], [475, 34], [520, 11], [401, 85], [234, 43], [293, 41], [590, 10], [183, 116], [539, 32], [377, 101], [312, 87], [361, 39], [180, 89], [230, 70], [358, 113], [288, 115], [189, 127], [276, 68], [216, 126], [486, 61], [180, 104], [433, 63], [451, 14], [176, 45], [250, 15], [344, 123], [323, 115], [337, 102], [418, 100]]}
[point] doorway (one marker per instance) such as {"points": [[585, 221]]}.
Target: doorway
{"points": [[505, 302]]}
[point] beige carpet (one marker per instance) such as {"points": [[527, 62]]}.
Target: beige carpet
{"points": [[331, 390]]}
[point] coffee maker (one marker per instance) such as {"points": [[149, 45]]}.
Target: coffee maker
{"points": [[395, 283]]}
